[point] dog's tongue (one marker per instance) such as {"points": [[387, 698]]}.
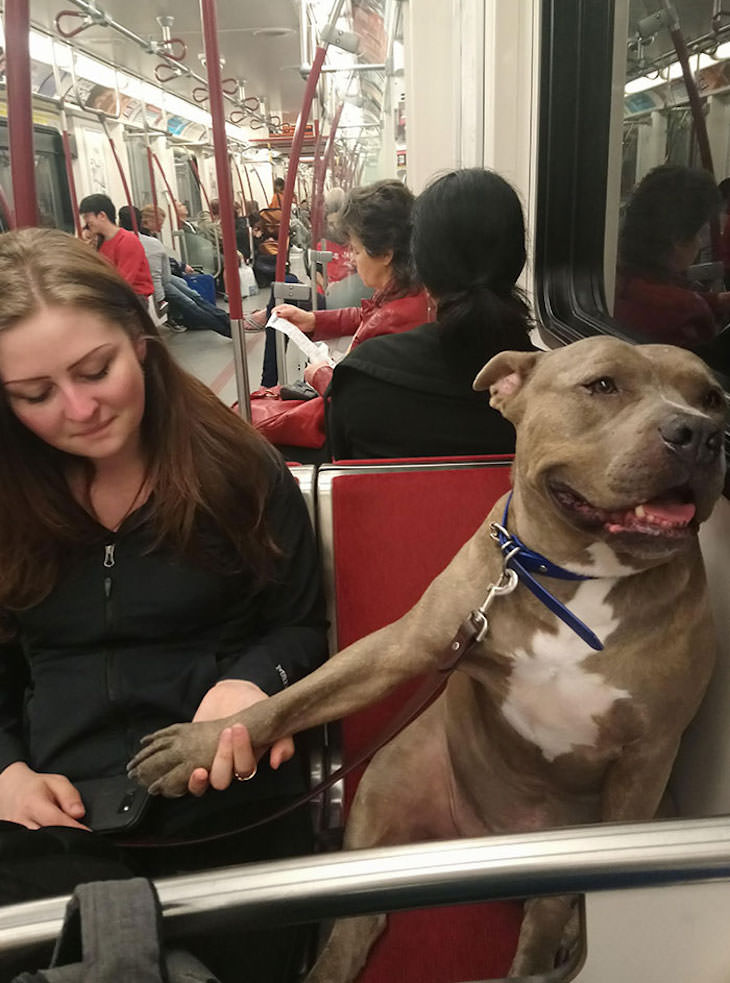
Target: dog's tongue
{"points": [[668, 510]]}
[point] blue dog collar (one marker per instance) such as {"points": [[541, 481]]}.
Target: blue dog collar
{"points": [[526, 562]]}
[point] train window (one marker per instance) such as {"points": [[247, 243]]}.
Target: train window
{"points": [[629, 260], [54, 202]]}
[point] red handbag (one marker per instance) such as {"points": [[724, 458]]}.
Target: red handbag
{"points": [[297, 422]]}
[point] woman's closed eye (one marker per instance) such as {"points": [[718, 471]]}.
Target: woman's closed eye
{"points": [[31, 397], [99, 374]]}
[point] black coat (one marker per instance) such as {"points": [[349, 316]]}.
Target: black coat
{"points": [[398, 396], [130, 641]]}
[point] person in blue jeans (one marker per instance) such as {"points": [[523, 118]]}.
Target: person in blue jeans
{"points": [[188, 309]]}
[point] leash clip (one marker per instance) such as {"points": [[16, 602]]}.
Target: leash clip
{"points": [[505, 585]]}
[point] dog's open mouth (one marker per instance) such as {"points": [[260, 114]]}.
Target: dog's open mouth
{"points": [[670, 514]]}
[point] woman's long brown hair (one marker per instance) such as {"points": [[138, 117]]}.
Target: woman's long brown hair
{"points": [[206, 467]]}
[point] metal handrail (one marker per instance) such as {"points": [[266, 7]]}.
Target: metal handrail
{"points": [[307, 889], [159, 48]]}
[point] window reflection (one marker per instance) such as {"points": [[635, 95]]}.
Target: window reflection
{"points": [[665, 226], [674, 249]]}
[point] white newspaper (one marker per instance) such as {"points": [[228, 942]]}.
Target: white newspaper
{"points": [[316, 351]]}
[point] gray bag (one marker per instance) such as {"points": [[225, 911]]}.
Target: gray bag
{"points": [[111, 932]]}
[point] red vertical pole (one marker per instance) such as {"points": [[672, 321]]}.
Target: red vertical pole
{"points": [[20, 112], [127, 194], [223, 172], [296, 150], [698, 118], [315, 209], [225, 197], [196, 175], [263, 188], [70, 176], [317, 214], [240, 185], [248, 182], [154, 190], [167, 185]]}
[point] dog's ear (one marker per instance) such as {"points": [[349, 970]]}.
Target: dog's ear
{"points": [[505, 375]]}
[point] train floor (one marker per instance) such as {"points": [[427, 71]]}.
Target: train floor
{"points": [[209, 356]]}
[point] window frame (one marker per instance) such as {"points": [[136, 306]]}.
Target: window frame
{"points": [[572, 175]]}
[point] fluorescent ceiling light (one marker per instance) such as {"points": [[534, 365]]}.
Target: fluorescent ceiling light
{"points": [[95, 71], [40, 47], [43, 48]]}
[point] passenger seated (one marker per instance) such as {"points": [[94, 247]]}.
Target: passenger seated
{"points": [[184, 217], [344, 284], [209, 223], [664, 226], [377, 221], [410, 394], [158, 564]]}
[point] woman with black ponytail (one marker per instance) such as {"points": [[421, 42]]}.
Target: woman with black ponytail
{"points": [[410, 395]]}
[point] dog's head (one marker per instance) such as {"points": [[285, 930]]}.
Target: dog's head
{"points": [[625, 442]]}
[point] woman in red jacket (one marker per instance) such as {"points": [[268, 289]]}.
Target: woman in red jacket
{"points": [[663, 230], [377, 220]]}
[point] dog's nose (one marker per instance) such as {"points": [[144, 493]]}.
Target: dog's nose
{"points": [[696, 439]]}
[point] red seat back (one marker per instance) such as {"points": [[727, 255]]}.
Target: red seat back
{"points": [[392, 528]]}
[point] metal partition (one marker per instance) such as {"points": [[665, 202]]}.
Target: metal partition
{"points": [[583, 859]]}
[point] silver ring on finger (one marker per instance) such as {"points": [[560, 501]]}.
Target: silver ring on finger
{"points": [[245, 778]]}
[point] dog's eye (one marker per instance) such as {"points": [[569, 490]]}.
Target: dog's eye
{"points": [[604, 386], [714, 399]]}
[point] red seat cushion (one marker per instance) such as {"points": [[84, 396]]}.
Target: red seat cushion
{"points": [[393, 533]]}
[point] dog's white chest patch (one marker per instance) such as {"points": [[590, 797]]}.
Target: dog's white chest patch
{"points": [[552, 700]]}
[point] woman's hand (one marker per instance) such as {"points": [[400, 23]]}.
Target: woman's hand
{"points": [[304, 320], [235, 755], [310, 374], [35, 800]]}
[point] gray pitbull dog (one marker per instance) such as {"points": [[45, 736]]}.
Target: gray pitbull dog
{"points": [[619, 458]]}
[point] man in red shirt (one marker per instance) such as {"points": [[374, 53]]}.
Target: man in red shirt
{"points": [[123, 249]]}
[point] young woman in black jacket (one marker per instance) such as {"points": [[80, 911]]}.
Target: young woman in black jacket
{"points": [[410, 395], [158, 565]]}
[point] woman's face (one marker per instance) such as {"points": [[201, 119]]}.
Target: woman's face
{"points": [[374, 271], [685, 253], [76, 381]]}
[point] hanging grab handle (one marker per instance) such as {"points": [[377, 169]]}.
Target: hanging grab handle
{"points": [[86, 21]]}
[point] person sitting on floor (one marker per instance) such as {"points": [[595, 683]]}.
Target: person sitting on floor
{"points": [[186, 307]]}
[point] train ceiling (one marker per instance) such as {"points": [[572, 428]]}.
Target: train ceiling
{"points": [[259, 42]]}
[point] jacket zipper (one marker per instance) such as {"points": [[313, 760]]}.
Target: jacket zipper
{"points": [[108, 613]]}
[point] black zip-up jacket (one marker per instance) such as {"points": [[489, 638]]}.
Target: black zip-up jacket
{"points": [[130, 641]]}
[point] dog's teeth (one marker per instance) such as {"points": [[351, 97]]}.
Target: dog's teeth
{"points": [[640, 511]]}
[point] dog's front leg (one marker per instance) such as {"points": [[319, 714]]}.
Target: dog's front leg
{"points": [[546, 925], [354, 678], [346, 950]]}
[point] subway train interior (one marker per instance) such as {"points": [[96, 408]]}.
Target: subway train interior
{"points": [[573, 102]]}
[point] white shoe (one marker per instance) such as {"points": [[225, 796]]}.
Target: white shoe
{"points": [[176, 328]]}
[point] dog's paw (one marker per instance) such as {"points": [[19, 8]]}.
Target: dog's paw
{"points": [[168, 757]]}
